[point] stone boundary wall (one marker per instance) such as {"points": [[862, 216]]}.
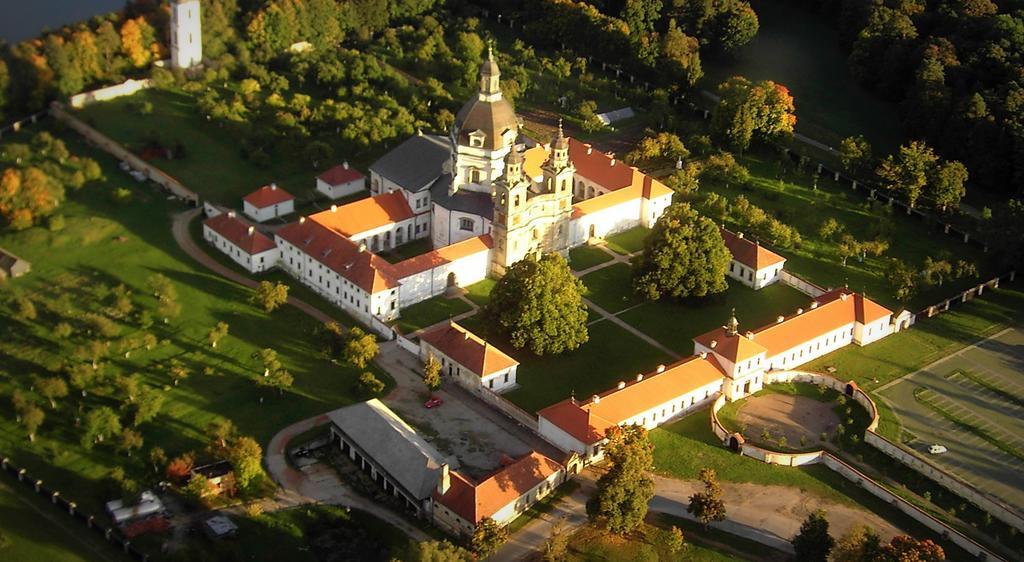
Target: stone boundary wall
{"points": [[121, 153], [518, 414], [110, 534], [808, 377], [126, 88], [947, 480], [407, 344], [967, 295], [879, 491], [16, 126], [805, 287]]}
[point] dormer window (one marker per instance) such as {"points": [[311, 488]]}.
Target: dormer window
{"points": [[476, 139]]}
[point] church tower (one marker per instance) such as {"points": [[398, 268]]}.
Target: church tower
{"points": [[186, 34]]}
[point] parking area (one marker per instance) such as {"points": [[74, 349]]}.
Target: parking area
{"points": [[972, 402]]}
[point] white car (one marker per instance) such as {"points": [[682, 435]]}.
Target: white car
{"points": [[937, 449]]}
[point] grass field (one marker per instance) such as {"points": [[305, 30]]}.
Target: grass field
{"points": [[645, 544], [480, 292], [213, 166], [611, 288], [793, 199], [35, 530], [104, 244], [801, 50], [611, 355], [430, 312], [629, 241], [584, 257]]}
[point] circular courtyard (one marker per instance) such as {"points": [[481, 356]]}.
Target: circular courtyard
{"points": [[789, 417]]}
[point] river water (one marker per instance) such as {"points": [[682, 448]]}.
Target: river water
{"points": [[24, 19]]}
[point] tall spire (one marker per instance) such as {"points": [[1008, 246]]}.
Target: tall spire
{"points": [[489, 76], [734, 324]]}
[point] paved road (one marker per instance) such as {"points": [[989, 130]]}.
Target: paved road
{"points": [[184, 239]]}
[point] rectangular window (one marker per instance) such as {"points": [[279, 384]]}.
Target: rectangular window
{"points": [[466, 224]]}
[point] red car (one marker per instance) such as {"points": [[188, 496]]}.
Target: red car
{"points": [[434, 402]]}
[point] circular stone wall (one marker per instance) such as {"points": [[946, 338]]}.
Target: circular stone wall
{"points": [[789, 416]]}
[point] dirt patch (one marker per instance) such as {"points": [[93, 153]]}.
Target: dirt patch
{"points": [[799, 419]]}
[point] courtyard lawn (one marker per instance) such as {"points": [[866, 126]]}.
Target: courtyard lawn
{"points": [[430, 312], [801, 50], [104, 244], [37, 530], [675, 323], [629, 241], [213, 165], [406, 251], [793, 199], [480, 292], [646, 543], [611, 355], [611, 288], [585, 257]]}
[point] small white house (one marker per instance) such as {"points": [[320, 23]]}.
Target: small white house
{"points": [[241, 242], [752, 264], [340, 181], [268, 202], [471, 361]]}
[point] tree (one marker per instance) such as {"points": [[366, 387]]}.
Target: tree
{"points": [[735, 26], [432, 372], [1005, 232], [100, 424], [269, 296], [707, 506], [674, 539], [682, 53], [859, 544], [370, 384], [538, 305], [25, 309], [556, 547], [684, 256], [812, 542], [855, 154], [180, 467], [830, 229], [625, 490], [222, 430], [217, 333], [745, 108], [946, 183], [178, 371], [907, 171], [280, 379], [32, 417], [147, 406], [902, 279], [246, 455], [268, 359], [360, 347], [157, 458], [437, 551], [198, 489], [848, 247], [130, 440], [904, 548], [935, 272], [487, 537], [52, 388]]}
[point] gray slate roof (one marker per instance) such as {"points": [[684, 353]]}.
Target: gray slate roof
{"points": [[392, 444], [415, 163], [466, 201]]}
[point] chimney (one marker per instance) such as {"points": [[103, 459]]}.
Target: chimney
{"points": [[799, 311], [302, 220], [613, 162], [703, 354], [595, 399], [589, 149], [273, 187], [334, 208], [639, 377], [362, 247], [779, 319], [661, 368], [750, 335], [621, 385], [252, 230], [445, 481], [465, 335], [714, 344], [231, 214], [814, 304], [843, 296], [739, 235], [345, 164]]}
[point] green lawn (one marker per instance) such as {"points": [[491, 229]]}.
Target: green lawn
{"points": [[584, 257], [675, 323], [611, 355], [645, 544], [793, 199], [213, 165], [101, 246], [611, 287], [480, 292], [430, 312], [801, 50], [37, 530], [406, 251], [629, 241]]}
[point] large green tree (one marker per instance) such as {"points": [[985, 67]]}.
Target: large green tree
{"points": [[907, 171], [625, 490], [538, 305], [859, 544], [1005, 232], [813, 543], [488, 537], [947, 185], [747, 108], [683, 256], [682, 53]]}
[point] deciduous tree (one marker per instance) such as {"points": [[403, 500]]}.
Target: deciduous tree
{"points": [[859, 544], [855, 154], [99, 424], [217, 333], [269, 296], [432, 372], [370, 384], [907, 171], [32, 417], [487, 537], [625, 490], [360, 347], [684, 256], [538, 305], [52, 388], [812, 542], [707, 506], [246, 456], [947, 185]]}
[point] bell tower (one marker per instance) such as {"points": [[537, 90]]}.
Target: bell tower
{"points": [[511, 206], [186, 34]]}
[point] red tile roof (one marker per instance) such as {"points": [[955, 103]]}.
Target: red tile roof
{"points": [[340, 174], [366, 214], [442, 256], [834, 310], [267, 196], [750, 253], [468, 350], [588, 421], [473, 502], [336, 252], [642, 186], [598, 167], [735, 348], [240, 233]]}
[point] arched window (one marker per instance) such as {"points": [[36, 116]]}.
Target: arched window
{"points": [[516, 201]]}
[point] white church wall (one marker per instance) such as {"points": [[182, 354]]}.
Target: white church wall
{"points": [[605, 222], [432, 282]]}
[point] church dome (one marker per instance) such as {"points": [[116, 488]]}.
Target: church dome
{"points": [[491, 118]]}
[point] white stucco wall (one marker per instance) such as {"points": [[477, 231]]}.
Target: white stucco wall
{"points": [[267, 213], [341, 190], [432, 282], [499, 381], [252, 263], [761, 278], [605, 222]]}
